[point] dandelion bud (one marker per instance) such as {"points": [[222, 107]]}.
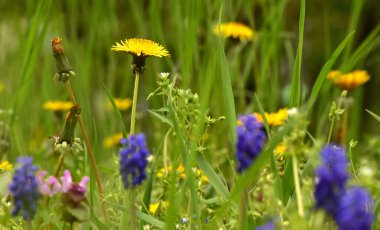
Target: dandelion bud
{"points": [[64, 70]]}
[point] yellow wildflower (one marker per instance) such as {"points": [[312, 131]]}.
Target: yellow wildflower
{"points": [[153, 207], [280, 149], [180, 171], [112, 141], [121, 103], [2, 87], [140, 49], [349, 81], [58, 106], [235, 30], [6, 166], [274, 119]]}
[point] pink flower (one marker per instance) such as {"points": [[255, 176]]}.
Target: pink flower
{"points": [[49, 186], [67, 182]]}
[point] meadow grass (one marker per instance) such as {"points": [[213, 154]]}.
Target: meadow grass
{"points": [[192, 122]]}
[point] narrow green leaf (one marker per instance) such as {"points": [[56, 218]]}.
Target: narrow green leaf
{"points": [[148, 192], [373, 115], [117, 111], [325, 70], [162, 118], [213, 177], [295, 95], [227, 89]]}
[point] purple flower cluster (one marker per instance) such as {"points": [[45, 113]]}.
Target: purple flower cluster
{"points": [[133, 160], [250, 140], [351, 208], [355, 210], [331, 178], [267, 226], [24, 188]]}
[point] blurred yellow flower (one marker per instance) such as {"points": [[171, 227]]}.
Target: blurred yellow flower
{"points": [[235, 30], [2, 86], [112, 141], [274, 119], [280, 149], [349, 81], [180, 171], [153, 207], [121, 103], [58, 106], [141, 47], [6, 166]]}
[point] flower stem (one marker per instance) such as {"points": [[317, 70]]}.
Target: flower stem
{"points": [[331, 130], [344, 127], [134, 103], [59, 165], [301, 212], [91, 154], [243, 206], [29, 225]]}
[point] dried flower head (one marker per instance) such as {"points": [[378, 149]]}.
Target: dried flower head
{"points": [[24, 188], [140, 49], [349, 81], [64, 70], [235, 30], [274, 119]]}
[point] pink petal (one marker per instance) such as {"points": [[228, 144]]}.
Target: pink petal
{"points": [[66, 181]]}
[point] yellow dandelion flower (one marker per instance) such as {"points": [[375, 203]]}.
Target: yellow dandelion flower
{"points": [[58, 106], [280, 149], [235, 30], [153, 207], [180, 171], [349, 81], [6, 166], [121, 103], [274, 119], [140, 49], [2, 86], [112, 141]]}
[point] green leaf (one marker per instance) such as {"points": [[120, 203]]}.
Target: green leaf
{"points": [[117, 111], [227, 89], [373, 115], [325, 70], [213, 177], [295, 95], [162, 118], [148, 192]]}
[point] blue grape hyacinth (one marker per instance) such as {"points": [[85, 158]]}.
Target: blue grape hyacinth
{"points": [[133, 160], [24, 188], [268, 226], [354, 211], [332, 176], [250, 140]]}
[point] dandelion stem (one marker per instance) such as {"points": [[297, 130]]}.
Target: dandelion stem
{"points": [[301, 212], [134, 103], [91, 153], [59, 165], [243, 206]]}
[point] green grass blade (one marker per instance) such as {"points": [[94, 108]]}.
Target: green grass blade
{"points": [[117, 111], [213, 178], [227, 90], [373, 115], [325, 70], [295, 95]]}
